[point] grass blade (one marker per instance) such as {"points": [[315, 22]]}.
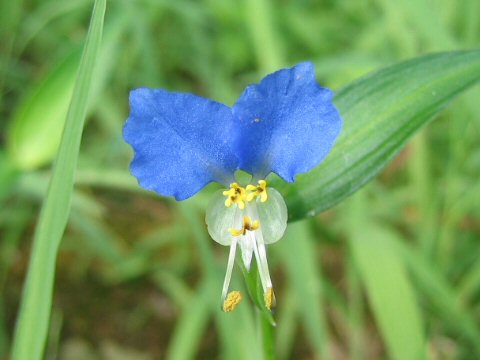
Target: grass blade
{"points": [[304, 275], [442, 298], [390, 292], [32, 323], [191, 325], [383, 274]]}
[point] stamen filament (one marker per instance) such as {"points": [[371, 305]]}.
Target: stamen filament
{"points": [[231, 261], [264, 275], [262, 254], [262, 263], [228, 273]]}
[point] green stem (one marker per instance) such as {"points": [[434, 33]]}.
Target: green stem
{"points": [[266, 330]]}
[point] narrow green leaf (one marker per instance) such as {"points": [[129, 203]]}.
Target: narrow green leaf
{"points": [[441, 296], [381, 112], [389, 292], [356, 314], [304, 275], [34, 316], [191, 325], [259, 21], [287, 323]]}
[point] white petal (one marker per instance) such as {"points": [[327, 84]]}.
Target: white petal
{"points": [[273, 216], [220, 218]]}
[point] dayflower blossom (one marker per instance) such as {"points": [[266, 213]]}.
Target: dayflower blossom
{"points": [[286, 124]]}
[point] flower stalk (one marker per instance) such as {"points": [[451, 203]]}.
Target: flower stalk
{"points": [[267, 336]]}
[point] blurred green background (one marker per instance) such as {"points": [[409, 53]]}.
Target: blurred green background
{"points": [[137, 275]]}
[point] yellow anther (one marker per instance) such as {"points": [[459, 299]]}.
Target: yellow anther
{"points": [[235, 195], [247, 225], [232, 300], [269, 298], [259, 190], [236, 232]]}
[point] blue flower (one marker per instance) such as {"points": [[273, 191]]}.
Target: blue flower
{"points": [[286, 124]]}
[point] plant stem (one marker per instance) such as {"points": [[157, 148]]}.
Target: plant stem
{"points": [[266, 331]]}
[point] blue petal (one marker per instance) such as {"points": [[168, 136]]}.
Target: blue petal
{"points": [[286, 124], [180, 141]]}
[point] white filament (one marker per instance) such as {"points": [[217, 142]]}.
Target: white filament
{"points": [[256, 238], [228, 273]]}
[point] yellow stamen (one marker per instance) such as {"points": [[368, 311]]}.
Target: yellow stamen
{"points": [[257, 191], [269, 298], [236, 232], [232, 300], [235, 195], [247, 225]]}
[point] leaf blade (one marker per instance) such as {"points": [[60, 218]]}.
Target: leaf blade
{"points": [[33, 319], [381, 112], [389, 291]]}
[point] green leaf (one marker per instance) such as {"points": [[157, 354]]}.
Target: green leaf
{"points": [[34, 316], [389, 292], [381, 112], [441, 297], [191, 325], [303, 271]]}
